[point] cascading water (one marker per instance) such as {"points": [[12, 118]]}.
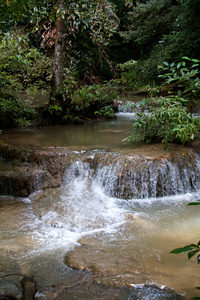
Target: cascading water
{"points": [[80, 205], [89, 210], [140, 177], [115, 214]]}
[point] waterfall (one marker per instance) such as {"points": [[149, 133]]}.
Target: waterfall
{"points": [[140, 177]]}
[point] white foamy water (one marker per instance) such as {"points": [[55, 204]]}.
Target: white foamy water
{"points": [[126, 115], [142, 231], [80, 207]]}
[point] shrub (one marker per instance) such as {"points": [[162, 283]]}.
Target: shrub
{"points": [[92, 101], [182, 78], [165, 120]]}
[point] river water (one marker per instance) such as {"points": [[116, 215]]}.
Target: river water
{"points": [[101, 135], [124, 242]]}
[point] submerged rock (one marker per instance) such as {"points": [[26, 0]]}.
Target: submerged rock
{"points": [[87, 288]]}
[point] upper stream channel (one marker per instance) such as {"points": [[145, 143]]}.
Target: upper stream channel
{"points": [[118, 233]]}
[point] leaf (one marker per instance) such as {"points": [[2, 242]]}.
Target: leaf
{"points": [[165, 63], [198, 259], [195, 60], [171, 79], [195, 65], [179, 65], [192, 253], [194, 203], [182, 250], [185, 57]]}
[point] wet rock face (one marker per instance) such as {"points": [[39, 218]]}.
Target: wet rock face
{"points": [[121, 175], [145, 177], [127, 177], [23, 181], [32, 170]]}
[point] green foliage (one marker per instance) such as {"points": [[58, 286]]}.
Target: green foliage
{"points": [[70, 117], [22, 67], [182, 77], [150, 21], [16, 110], [165, 120], [54, 108], [162, 30], [140, 73], [105, 112], [192, 249], [93, 101], [97, 16], [127, 72], [186, 38], [98, 94], [90, 26], [194, 203], [70, 80]]}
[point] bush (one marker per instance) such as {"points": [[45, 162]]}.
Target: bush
{"points": [[165, 120], [141, 73], [22, 67], [91, 102], [182, 78]]}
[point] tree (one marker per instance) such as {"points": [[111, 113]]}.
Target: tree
{"points": [[96, 19], [150, 21], [163, 30], [59, 55]]}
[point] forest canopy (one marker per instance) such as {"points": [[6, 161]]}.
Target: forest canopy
{"points": [[58, 46]]}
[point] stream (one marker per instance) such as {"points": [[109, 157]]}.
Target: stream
{"points": [[82, 225]]}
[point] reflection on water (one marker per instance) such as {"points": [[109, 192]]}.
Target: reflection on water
{"points": [[103, 134], [99, 134]]}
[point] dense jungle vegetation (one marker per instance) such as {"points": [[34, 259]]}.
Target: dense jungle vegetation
{"points": [[75, 51]]}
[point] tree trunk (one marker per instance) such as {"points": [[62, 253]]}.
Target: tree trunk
{"points": [[56, 97]]}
